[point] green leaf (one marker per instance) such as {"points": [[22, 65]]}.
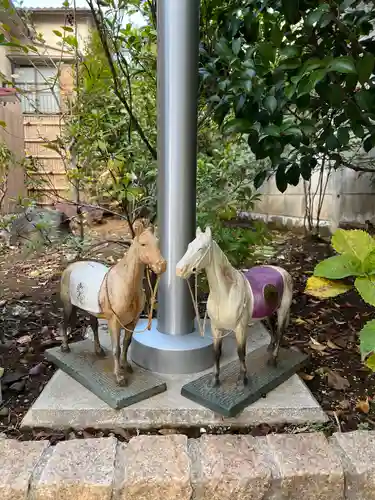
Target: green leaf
{"points": [[354, 242], [290, 51], [291, 10], [367, 339], [306, 168], [267, 51], [276, 35], [325, 289], [295, 131], [236, 46], [2, 123], [332, 142], [366, 288], [365, 67], [368, 143], [293, 175], [358, 130], [273, 130], [270, 103], [251, 28], [365, 99], [344, 64], [260, 178], [317, 76], [338, 267], [57, 33], [71, 40], [281, 181], [237, 125], [343, 135], [313, 17], [68, 28], [370, 362]]}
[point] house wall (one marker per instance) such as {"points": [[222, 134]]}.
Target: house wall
{"points": [[42, 128], [46, 22], [13, 137]]}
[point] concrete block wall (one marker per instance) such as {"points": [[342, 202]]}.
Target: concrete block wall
{"points": [[227, 467], [349, 197]]}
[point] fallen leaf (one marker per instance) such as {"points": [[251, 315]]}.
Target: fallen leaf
{"points": [[306, 376], [299, 321], [363, 406], [324, 288], [332, 345], [336, 381], [1, 371], [344, 404], [34, 274], [26, 339], [317, 346]]}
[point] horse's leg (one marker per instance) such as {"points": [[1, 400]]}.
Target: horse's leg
{"points": [[282, 316], [271, 323], [94, 323], [218, 341], [241, 338], [69, 321], [115, 330], [126, 344]]}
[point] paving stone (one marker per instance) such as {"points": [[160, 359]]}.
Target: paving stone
{"points": [[17, 463], [78, 470], [155, 467], [357, 452], [228, 467], [307, 467]]}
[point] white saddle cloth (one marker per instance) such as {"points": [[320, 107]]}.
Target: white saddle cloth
{"points": [[86, 279]]}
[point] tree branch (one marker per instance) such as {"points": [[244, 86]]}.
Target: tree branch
{"points": [[117, 86]]}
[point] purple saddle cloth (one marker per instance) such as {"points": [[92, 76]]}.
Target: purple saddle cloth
{"points": [[267, 285]]}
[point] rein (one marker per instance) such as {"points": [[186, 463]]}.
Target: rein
{"points": [[152, 303]]}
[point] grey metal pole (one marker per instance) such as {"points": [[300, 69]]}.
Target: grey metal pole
{"points": [[174, 345], [178, 42]]}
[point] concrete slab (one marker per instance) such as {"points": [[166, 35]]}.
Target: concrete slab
{"points": [[64, 403]]}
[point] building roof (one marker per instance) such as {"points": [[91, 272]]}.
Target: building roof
{"points": [[54, 10]]}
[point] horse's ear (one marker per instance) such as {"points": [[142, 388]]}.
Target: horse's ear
{"points": [[151, 229], [208, 232], [138, 228], [198, 231]]}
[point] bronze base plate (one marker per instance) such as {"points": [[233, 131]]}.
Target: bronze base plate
{"points": [[231, 397], [96, 374]]}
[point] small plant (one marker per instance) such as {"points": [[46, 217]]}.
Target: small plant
{"points": [[356, 258]]}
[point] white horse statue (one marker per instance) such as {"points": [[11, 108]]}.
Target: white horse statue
{"points": [[236, 298], [115, 294]]}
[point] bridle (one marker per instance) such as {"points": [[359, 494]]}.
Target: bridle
{"points": [[194, 296]]}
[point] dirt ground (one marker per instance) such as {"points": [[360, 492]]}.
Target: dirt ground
{"points": [[327, 330]]}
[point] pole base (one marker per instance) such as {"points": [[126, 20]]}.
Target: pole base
{"points": [[164, 353]]}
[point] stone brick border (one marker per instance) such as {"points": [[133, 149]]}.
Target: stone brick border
{"points": [[225, 467]]}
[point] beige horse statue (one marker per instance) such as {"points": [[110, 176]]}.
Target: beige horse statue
{"points": [[238, 298], [115, 294]]}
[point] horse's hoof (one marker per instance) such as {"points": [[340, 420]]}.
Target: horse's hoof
{"points": [[65, 348], [100, 353], [245, 381], [216, 383], [129, 368], [272, 361], [122, 381]]}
